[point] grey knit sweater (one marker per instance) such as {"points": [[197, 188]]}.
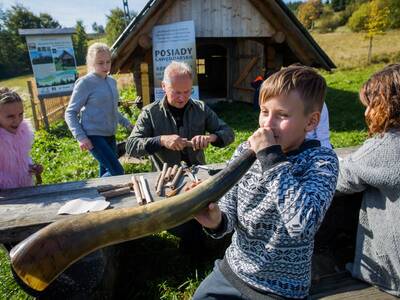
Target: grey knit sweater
{"points": [[93, 107], [275, 211], [375, 169]]}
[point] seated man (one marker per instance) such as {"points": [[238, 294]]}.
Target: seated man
{"points": [[165, 128]]}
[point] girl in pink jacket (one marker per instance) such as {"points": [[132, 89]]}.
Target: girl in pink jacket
{"points": [[16, 138]]}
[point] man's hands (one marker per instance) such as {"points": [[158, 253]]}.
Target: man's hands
{"points": [[173, 142], [262, 138], [85, 144], [200, 142], [210, 217], [177, 143]]}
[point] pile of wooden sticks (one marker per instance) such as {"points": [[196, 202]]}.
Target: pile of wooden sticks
{"points": [[139, 186], [168, 183]]}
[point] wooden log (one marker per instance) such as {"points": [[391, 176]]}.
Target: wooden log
{"points": [[39, 259], [167, 174], [173, 172], [161, 181], [138, 195], [176, 178], [116, 192], [141, 191], [157, 180], [106, 188], [145, 188]]}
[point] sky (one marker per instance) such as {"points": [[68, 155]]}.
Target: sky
{"points": [[67, 12]]}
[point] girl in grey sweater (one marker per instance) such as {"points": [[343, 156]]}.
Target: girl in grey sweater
{"points": [[92, 114], [374, 170]]}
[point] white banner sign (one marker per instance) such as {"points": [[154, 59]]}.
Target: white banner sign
{"points": [[53, 64], [177, 42]]}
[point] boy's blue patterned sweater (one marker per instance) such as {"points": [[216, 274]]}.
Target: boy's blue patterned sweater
{"points": [[275, 211]]}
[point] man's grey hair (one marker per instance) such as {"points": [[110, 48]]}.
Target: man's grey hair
{"points": [[176, 68]]}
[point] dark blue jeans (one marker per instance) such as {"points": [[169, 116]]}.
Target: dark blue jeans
{"points": [[105, 152]]}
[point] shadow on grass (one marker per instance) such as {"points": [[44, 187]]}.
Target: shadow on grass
{"points": [[154, 267], [238, 115], [346, 113]]}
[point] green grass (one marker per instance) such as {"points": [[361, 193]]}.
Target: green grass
{"points": [[349, 49], [153, 267]]}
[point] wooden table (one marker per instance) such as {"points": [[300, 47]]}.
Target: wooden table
{"points": [[25, 210]]}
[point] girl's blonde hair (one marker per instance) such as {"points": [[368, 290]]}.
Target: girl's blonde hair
{"points": [[8, 96], [381, 93], [92, 52]]}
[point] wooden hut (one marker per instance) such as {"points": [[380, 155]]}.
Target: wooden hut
{"points": [[235, 42]]}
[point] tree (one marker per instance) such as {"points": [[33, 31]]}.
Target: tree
{"points": [[394, 17], [373, 19], [99, 29], [115, 25], [14, 58], [294, 5], [309, 11], [47, 21], [79, 40]]}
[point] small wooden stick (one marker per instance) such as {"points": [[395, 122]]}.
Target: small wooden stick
{"points": [[116, 192], [167, 174], [173, 172], [176, 178], [142, 192], [136, 188], [145, 188], [158, 179], [105, 188], [161, 182]]}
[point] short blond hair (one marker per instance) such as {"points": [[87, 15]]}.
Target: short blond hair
{"points": [[310, 86], [177, 68], [93, 50]]}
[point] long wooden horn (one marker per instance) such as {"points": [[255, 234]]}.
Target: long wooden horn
{"points": [[40, 258]]}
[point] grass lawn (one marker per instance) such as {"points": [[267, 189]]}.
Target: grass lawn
{"points": [[349, 49], [153, 267]]}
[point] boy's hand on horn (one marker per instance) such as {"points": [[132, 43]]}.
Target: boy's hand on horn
{"points": [[210, 217], [262, 138]]}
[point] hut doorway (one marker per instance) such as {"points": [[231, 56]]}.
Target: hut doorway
{"points": [[212, 71]]}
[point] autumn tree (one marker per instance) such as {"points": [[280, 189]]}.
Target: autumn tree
{"points": [[308, 12], [373, 19]]}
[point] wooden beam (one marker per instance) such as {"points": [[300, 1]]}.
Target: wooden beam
{"points": [[246, 71], [122, 61], [144, 71]]}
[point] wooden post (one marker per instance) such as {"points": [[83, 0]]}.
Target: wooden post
{"points": [[33, 105], [44, 113], [144, 70]]}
